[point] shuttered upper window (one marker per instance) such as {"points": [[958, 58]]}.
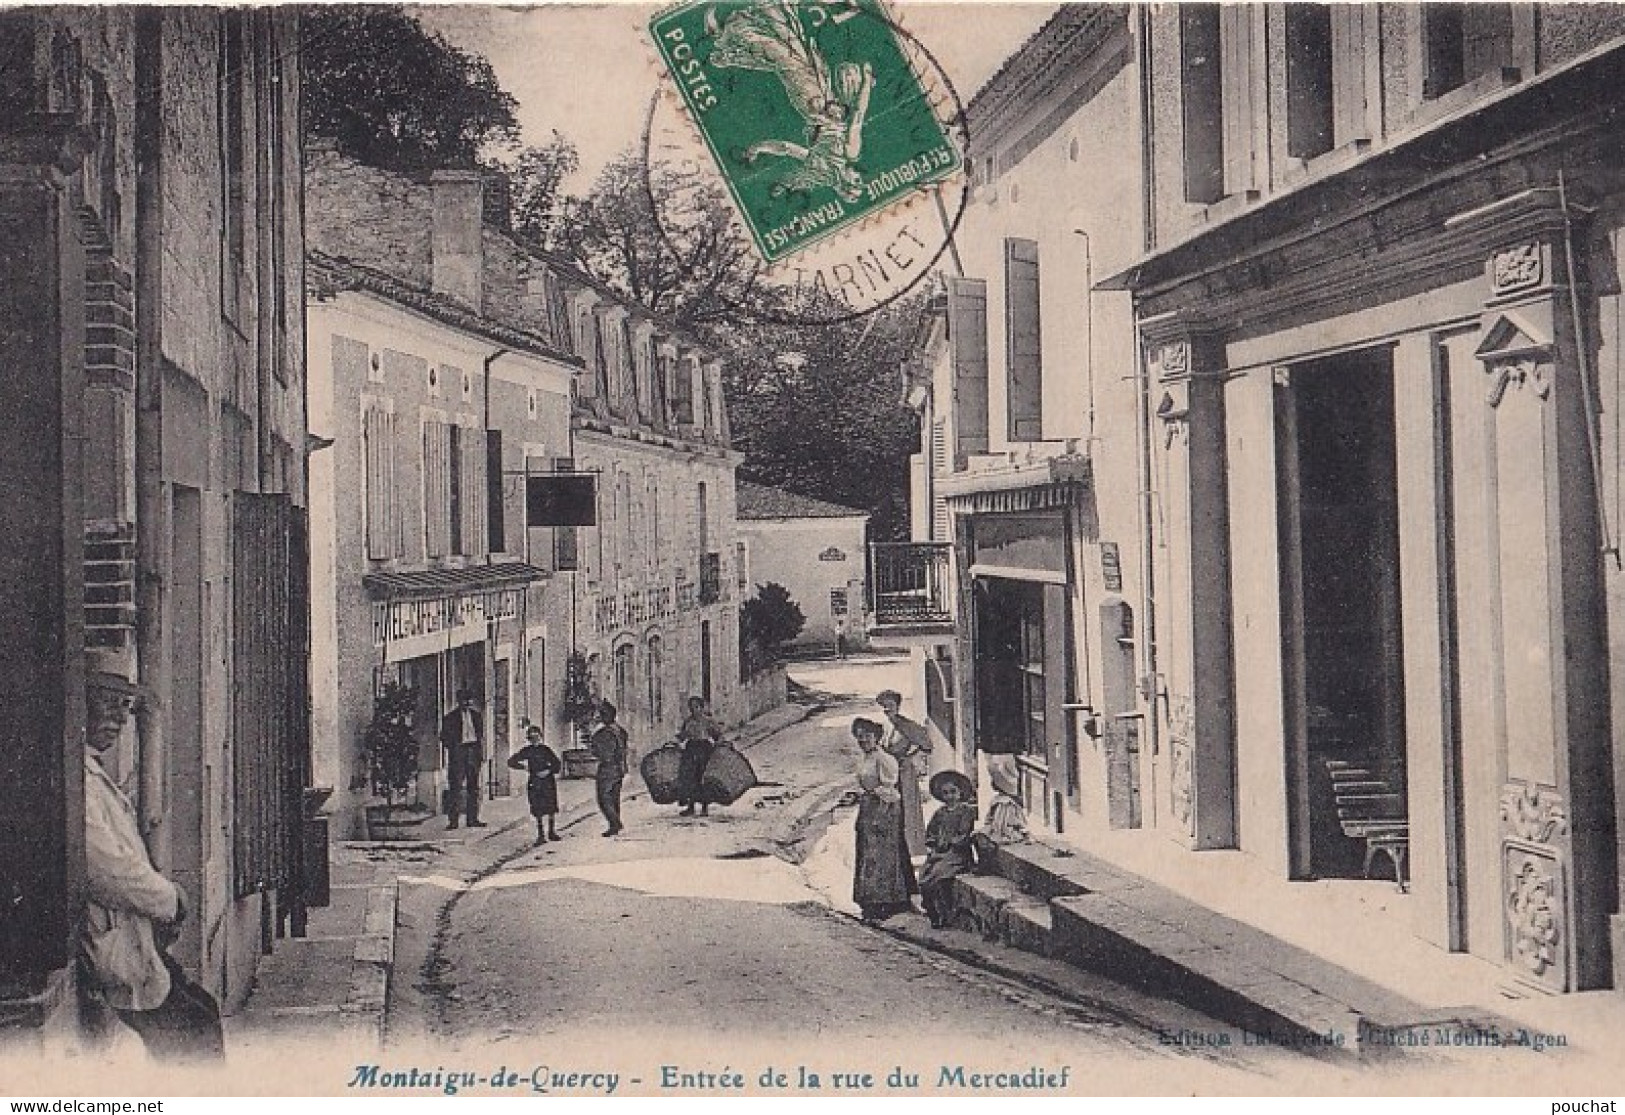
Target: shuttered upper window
{"points": [[1024, 364], [940, 467], [383, 509], [454, 493], [1202, 101], [967, 334]]}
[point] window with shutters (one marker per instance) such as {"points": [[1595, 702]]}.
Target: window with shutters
{"points": [[1331, 97], [626, 364], [1309, 108], [967, 335], [437, 458], [496, 520], [659, 374], [472, 492], [454, 493], [383, 514], [600, 357], [682, 392], [1463, 42], [1202, 101], [1024, 367]]}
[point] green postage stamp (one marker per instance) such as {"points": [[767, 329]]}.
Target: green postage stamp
{"points": [[811, 108]]}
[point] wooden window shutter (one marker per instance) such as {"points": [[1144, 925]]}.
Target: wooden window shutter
{"points": [[1236, 96], [1024, 361], [437, 483], [1202, 101], [377, 437], [496, 520], [940, 466], [967, 332]]}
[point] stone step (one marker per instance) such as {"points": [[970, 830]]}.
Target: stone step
{"points": [[995, 908], [1103, 920], [1101, 934]]}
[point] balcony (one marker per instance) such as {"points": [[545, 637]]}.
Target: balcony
{"points": [[911, 592], [710, 578]]}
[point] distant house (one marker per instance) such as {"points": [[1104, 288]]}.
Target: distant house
{"points": [[815, 550], [451, 364]]}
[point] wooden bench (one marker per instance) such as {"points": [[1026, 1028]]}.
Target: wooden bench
{"points": [[1369, 809]]}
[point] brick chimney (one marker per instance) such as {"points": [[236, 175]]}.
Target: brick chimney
{"points": [[455, 244]]}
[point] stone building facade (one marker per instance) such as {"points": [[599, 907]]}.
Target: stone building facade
{"points": [[426, 314], [1380, 312], [155, 468], [816, 550], [1027, 517]]}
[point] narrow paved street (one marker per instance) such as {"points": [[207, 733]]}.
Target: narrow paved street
{"points": [[722, 941]]}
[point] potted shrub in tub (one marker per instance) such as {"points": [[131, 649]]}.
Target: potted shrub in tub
{"points": [[579, 709], [389, 748]]}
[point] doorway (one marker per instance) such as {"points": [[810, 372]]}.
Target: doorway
{"points": [[705, 660], [1343, 682], [1021, 685]]}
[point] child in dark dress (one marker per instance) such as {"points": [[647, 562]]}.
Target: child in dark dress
{"points": [[948, 840], [542, 788]]}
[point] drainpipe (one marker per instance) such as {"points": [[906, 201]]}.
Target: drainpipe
{"points": [[1150, 679], [257, 26], [151, 498]]}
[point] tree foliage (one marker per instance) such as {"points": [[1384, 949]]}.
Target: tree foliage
{"points": [[396, 95], [771, 618], [539, 205], [389, 747], [818, 410], [664, 237]]}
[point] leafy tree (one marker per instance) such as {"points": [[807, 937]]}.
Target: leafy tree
{"points": [[388, 746], [539, 206], [689, 261], [817, 410], [770, 618], [396, 95]]}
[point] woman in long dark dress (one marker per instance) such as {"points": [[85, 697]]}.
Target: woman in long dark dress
{"points": [[883, 878], [542, 787]]}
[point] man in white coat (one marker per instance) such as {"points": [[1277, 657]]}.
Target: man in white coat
{"points": [[133, 912]]}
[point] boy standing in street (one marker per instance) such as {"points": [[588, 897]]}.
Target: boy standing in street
{"points": [[609, 745]]}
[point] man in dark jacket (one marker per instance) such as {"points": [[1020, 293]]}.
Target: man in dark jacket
{"points": [[462, 735], [609, 745]]}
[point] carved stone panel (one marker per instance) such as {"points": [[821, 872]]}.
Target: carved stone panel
{"points": [[1175, 358], [1181, 777], [1534, 886], [1520, 267]]}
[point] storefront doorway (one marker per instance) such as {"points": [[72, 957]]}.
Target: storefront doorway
{"points": [[1021, 685], [1340, 609]]}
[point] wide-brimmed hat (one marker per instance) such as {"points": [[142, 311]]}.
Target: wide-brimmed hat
{"points": [[1003, 773], [945, 778], [105, 670]]}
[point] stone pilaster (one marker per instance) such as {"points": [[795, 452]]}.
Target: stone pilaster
{"points": [[1558, 872], [1195, 654]]}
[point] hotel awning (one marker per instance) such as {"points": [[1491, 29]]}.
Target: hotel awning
{"points": [[418, 584], [1041, 484]]}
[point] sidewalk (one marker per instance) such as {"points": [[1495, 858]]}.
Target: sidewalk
{"points": [[333, 984], [1325, 961]]}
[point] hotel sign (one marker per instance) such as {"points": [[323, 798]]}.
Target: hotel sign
{"points": [[409, 619]]}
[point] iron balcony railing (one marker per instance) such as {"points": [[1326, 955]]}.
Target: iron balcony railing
{"points": [[910, 583]]}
